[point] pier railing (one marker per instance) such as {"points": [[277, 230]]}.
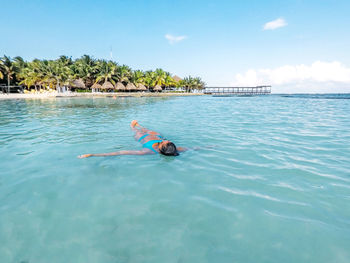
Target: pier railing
{"points": [[242, 91], [9, 89]]}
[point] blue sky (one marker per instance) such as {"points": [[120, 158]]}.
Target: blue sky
{"points": [[224, 42]]}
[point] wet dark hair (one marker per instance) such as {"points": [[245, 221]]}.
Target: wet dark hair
{"points": [[169, 149]]}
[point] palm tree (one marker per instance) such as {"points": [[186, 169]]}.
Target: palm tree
{"points": [[150, 78], [169, 81], [65, 61], [1, 74], [106, 71], [32, 74], [138, 77], [85, 68], [191, 83], [63, 71], [56, 72], [160, 76], [186, 82], [47, 73], [37, 73], [199, 84], [22, 71], [124, 74], [20, 63], [9, 68], [26, 77]]}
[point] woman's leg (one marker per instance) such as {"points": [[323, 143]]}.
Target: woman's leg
{"points": [[140, 131], [138, 135], [136, 127]]}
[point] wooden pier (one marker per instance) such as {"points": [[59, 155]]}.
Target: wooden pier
{"points": [[238, 91]]}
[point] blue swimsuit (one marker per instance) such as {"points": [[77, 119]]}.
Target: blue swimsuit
{"points": [[150, 143]]}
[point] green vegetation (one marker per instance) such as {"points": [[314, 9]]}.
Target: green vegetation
{"points": [[84, 72]]}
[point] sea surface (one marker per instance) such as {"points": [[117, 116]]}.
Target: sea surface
{"points": [[266, 179]]}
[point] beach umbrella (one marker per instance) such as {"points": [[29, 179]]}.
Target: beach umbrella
{"points": [[141, 87], [107, 85], [130, 87], [120, 86], [134, 87], [78, 83], [96, 87], [177, 78], [157, 88]]}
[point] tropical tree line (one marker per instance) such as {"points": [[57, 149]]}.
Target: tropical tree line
{"points": [[43, 74]]}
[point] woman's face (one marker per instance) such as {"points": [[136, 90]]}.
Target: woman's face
{"points": [[163, 143]]}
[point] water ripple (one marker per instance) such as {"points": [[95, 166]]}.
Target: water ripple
{"points": [[253, 164], [259, 195]]}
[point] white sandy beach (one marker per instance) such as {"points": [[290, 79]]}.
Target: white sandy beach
{"points": [[101, 94]]}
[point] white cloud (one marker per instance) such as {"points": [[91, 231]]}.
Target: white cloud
{"points": [[174, 39], [317, 77], [272, 25]]}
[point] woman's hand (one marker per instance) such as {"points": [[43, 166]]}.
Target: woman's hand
{"points": [[84, 156]]}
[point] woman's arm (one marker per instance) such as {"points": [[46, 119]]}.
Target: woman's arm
{"points": [[142, 152], [182, 149]]}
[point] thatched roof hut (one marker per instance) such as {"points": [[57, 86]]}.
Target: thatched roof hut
{"points": [[107, 85], [141, 87], [157, 88], [130, 87], [177, 78], [78, 83], [120, 86], [96, 86]]}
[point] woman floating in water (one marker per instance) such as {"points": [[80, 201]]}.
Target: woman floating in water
{"points": [[151, 141]]}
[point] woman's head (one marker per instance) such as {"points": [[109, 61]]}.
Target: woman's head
{"points": [[168, 148]]}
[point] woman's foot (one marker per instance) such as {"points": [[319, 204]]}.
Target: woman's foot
{"points": [[134, 123]]}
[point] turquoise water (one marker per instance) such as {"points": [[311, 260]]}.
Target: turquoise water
{"points": [[271, 182]]}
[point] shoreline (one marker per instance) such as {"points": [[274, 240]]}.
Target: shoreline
{"points": [[93, 95]]}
